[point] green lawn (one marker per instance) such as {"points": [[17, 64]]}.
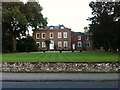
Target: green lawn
{"points": [[61, 57]]}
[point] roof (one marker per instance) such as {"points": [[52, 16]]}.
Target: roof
{"points": [[59, 27], [76, 33]]}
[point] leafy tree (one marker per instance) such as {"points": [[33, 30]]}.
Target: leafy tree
{"points": [[47, 42], [27, 45], [13, 21], [16, 18], [105, 24]]}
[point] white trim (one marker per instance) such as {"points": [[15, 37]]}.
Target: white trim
{"points": [[65, 43], [86, 37], [42, 36], [59, 34], [59, 43], [38, 44], [37, 36], [43, 45], [79, 37], [79, 44], [51, 45], [65, 34], [87, 43], [73, 46], [50, 35]]}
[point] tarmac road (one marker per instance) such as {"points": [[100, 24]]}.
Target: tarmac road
{"points": [[60, 80], [110, 84]]}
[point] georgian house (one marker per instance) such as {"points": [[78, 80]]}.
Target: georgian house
{"points": [[62, 38], [59, 37]]}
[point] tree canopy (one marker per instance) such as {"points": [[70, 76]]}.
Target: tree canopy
{"points": [[105, 24], [16, 18]]}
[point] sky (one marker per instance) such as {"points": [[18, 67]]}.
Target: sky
{"points": [[71, 13]]}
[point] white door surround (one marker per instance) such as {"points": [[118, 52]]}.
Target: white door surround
{"points": [[51, 46]]}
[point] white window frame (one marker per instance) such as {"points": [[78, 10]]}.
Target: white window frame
{"points": [[43, 45], [50, 35], [65, 34], [59, 34], [42, 36], [37, 36], [66, 44], [59, 44], [88, 44], [79, 44], [79, 37], [62, 27], [86, 37], [51, 27], [38, 44]]}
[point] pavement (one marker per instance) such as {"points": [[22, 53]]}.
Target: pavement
{"points": [[59, 76]]}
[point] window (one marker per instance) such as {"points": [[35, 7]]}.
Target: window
{"points": [[65, 34], [43, 44], [87, 38], [59, 44], [65, 44], [38, 43], [43, 35], [37, 35], [87, 44], [51, 35], [79, 37], [51, 27], [79, 44], [61, 27], [59, 35]]}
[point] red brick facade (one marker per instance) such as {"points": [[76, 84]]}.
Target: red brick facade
{"points": [[62, 38], [81, 41], [56, 36]]}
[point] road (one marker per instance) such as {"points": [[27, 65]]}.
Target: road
{"points": [[60, 80], [111, 84]]}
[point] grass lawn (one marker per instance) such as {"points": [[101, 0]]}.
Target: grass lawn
{"points": [[61, 57]]}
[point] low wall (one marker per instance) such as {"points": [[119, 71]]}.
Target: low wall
{"points": [[58, 67]]}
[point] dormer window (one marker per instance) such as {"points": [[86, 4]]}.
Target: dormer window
{"points": [[79, 37], [61, 27], [52, 27]]}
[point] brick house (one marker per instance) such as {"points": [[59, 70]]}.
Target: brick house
{"points": [[62, 38], [81, 41], [59, 37]]}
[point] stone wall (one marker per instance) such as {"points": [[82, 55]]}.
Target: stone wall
{"points": [[58, 67]]}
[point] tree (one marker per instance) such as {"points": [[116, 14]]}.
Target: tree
{"points": [[34, 16], [13, 21], [105, 27], [47, 42], [17, 17], [27, 45]]}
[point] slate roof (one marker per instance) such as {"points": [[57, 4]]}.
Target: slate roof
{"points": [[76, 33], [59, 27]]}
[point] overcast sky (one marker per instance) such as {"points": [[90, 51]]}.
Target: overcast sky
{"points": [[70, 13]]}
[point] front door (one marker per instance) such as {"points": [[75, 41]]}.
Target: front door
{"points": [[73, 46], [51, 45]]}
